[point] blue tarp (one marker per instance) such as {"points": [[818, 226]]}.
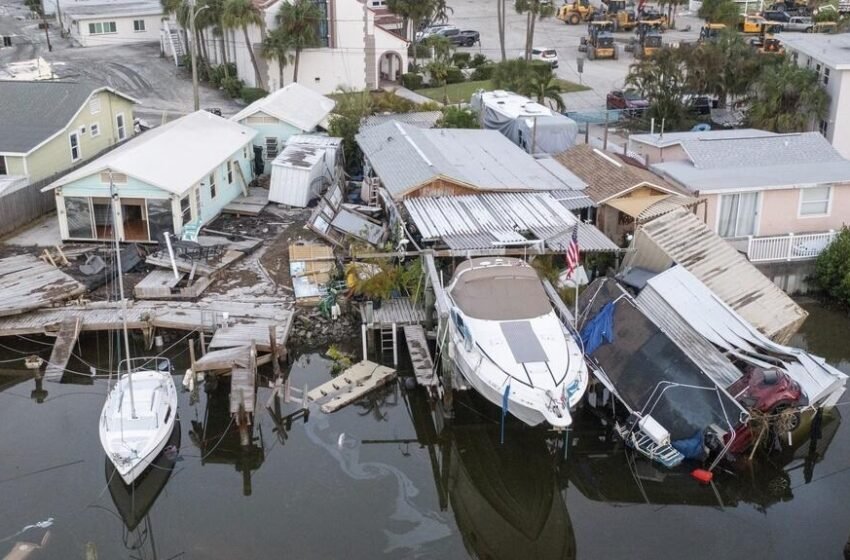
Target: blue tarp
{"points": [[691, 447], [599, 330]]}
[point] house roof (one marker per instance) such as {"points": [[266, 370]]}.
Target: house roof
{"points": [[96, 10], [753, 162], [294, 104], [173, 157], [672, 138], [406, 157], [830, 49], [422, 119], [686, 240], [32, 112], [607, 175]]}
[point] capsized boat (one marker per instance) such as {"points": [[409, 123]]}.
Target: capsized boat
{"points": [[138, 417], [506, 338]]}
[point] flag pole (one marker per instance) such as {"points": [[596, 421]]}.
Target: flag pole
{"points": [[575, 317]]}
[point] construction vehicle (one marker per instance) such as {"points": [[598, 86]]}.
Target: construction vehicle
{"points": [[766, 43], [654, 18], [622, 18], [573, 13], [648, 40], [711, 31], [752, 25], [599, 41]]}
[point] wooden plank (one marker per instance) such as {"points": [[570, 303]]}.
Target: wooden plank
{"points": [[242, 390], [379, 379], [159, 283], [224, 359], [420, 355], [351, 384], [69, 332]]}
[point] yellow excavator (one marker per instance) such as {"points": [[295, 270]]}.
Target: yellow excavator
{"points": [[648, 40], [575, 12], [599, 41], [766, 43]]}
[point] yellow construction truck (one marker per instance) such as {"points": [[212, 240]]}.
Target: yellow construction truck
{"points": [[575, 12], [599, 41], [648, 40]]}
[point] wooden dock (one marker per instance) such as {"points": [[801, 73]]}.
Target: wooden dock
{"points": [[350, 385], [69, 332], [27, 283], [420, 358], [395, 311], [251, 205]]}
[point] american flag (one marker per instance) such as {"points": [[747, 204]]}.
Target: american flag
{"points": [[572, 252]]}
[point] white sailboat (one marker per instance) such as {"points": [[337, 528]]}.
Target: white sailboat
{"points": [[506, 338], [140, 409]]}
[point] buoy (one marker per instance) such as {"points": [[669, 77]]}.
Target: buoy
{"points": [[702, 475]]}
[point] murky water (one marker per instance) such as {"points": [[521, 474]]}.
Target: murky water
{"points": [[381, 479]]}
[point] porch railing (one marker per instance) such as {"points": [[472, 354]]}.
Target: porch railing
{"points": [[791, 247]]}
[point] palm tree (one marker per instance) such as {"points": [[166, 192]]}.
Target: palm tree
{"points": [[300, 22], [533, 10], [441, 63], [787, 98], [543, 85], [241, 14], [413, 12], [661, 79], [441, 11], [277, 46]]}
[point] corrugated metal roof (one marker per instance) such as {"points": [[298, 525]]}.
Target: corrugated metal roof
{"points": [[321, 140], [671, 138], [489, 221], [422, 119], [405, 157], [688, 242], [572, 200], [293, 104], [92, 10]]}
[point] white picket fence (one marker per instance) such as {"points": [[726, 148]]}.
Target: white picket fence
{"points": [[789, 247]]}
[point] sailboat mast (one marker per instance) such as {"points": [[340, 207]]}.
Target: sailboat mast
{"points": [[115, 215]]}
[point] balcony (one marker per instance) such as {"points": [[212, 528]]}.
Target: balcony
{"points": [[791, 247]]}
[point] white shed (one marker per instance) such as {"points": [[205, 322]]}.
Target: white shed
{"points": [[303, 169]]}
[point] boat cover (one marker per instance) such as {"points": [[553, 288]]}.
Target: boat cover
{"points": [[499, 293]]}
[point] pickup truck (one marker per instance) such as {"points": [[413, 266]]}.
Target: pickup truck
{"points": [[799, 23], [460, 38]]}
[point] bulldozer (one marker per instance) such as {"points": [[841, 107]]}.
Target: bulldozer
{"points": [[573, 13], [766, 43], [655, 19], [752, 25], [622, 18], [599, 41], [648, 40]]}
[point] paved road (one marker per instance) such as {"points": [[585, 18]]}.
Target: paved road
{"points": [[600, 75]]}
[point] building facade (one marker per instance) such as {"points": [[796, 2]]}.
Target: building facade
{"points": [[113, 23]]}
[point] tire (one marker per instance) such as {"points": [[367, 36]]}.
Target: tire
{"points": [[470, 43], [574, 19], [808, 30], [794, 419]]}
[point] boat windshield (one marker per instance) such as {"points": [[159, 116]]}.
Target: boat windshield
{"points": [[500, 293]]}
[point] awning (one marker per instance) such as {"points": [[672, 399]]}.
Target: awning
{"points": [[634, 206]]}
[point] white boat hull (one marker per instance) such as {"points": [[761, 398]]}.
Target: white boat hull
{"points": [[132, 443]]}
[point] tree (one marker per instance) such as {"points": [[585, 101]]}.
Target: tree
{"points": [[350, 110], [180, 9], [441, 11], [542, 84], [832, 269], [720, 11], [440, 63], [723, 68], [413, 12], [277, 46], [661, 80], [38, 8], [511, 75], [457, 117], [533, 10], [500, 18], [240, 14], [300, 21], [787, 98]]}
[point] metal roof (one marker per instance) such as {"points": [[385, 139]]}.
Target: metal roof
{"points": [[422, 119], [672, 138], [753, 178], [321, 140], [830, 49], [686, 240], [293, 104], [491, 221], [94, 10], [33, 112], [406, 157]]}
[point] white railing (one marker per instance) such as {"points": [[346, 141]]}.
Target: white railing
{"points": [[791, 247]]}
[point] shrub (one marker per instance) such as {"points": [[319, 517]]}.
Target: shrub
{"points": [[477, 60], [461, 59], [390, 102], [232, 86], [483, 72], [457, 117], [422, 51], [454, 75], [832, 269], [217, 73], [411, 80], [251, 94]]}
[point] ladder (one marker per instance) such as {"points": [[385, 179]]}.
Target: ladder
{"points": [[667, 455], [387, 337]]}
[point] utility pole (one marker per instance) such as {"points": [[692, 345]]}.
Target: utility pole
{"points": [[195, 96]]}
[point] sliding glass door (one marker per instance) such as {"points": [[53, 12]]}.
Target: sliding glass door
{"points": [[739, 215]]}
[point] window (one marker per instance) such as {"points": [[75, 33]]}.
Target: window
{"points": [[245, 152], [271, 148], [138, 25], [94, 105], [119, 124], [99, 28], [825, 76], [78, 215], [815, 201], [95, 129], [186, 210], [738, 214], [74, 139], [229, 172], [3, 169], [212, 185], [322, 27], [117, 178], [823, 127]]}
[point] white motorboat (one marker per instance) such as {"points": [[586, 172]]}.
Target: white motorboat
{"points": [[504, 337], [138, 416]]}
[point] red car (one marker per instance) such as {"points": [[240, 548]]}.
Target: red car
{"points": [[769, 391], [628, 100]]}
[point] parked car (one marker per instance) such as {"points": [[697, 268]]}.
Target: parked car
{"points": [[799, 23], [458, 38], [432, 30], [545, 54], [628, 100], [776, 15]]}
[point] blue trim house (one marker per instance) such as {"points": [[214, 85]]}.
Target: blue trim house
{"points": [[174, 178], [291, 110]]}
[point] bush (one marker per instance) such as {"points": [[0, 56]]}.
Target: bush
{"points": [[477, 60], [422, 51], [457, 117], [832, 269], [217, 73], [232, 86], [411, 80], [455, 75], [483, 72], [251, 94], [461, 59]]}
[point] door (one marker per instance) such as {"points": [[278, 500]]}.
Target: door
{"points": [[120, 128], [739, 215], [135, 219]]}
